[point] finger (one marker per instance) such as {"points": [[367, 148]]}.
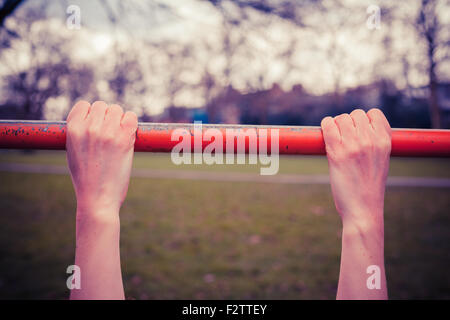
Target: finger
{"points": [[113, 116], [379, 121], [346, 128], [129, 122], [97, 113], [361, 123], [330, 132], [79, 111]]}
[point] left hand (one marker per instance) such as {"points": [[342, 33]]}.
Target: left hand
{"points": [[100, 148]]}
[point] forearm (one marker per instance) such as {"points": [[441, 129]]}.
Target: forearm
{"points": [[362, 246], [98, 256]]}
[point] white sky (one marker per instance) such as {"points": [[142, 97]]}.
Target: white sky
{"points": [[357, 52]]}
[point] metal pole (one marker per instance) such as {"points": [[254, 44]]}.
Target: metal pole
{"points": [[156, 137]]}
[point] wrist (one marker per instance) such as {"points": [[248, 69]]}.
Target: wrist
{"points": [[362, 227], [368, 232], [97, 218], [363, 219]]}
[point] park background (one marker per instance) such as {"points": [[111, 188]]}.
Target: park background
{"points": [[217, 231]]}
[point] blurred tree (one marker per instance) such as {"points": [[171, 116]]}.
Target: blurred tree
{"points": [[38, 66], [126, 77], [29, 90], [425, 56], [291, 10], [239, 26], [430, 27], [7, 7]]}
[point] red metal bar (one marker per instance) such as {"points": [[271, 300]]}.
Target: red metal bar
{"points": [[156, 137]]}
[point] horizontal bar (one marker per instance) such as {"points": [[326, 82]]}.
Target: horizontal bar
{"points": [[156, 137]]}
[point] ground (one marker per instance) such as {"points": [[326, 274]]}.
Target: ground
{"points": [[203, 239]]}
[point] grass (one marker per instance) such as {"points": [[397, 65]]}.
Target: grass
{"points": [[417, 167], [192, 239]]}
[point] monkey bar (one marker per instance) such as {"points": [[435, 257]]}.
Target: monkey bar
{"points": [[157, 137]]}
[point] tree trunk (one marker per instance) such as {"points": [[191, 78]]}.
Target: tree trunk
{"points": [[434, 105], [433, 91]]}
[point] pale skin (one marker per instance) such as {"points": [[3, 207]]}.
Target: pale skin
{"points": [[358, 149], [100, 148]]}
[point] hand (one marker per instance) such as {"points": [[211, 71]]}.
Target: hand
{"points": [[100, 142], [358, 148], [100, 147]]}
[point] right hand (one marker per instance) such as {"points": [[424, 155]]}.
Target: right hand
{"points": [[358, 149]]}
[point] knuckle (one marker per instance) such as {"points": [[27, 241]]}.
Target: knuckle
{"points": [[357, 112], [342, 117], [76, 109], [352, 151], [123, 143], [389, 132], [325, 121], [338, 156], [383, 144], [99, 103], [71, 126], [108, 138], [130, 121], [365, 145], [75, 133], [93, 131], [82, 103], [117, 107], [74, 130], [375, 112], [387, 145], [132, 116]]}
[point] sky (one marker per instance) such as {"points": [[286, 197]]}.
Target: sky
{"points": [[337, 52]]}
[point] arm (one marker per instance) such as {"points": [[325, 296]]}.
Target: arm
{"points": [[100, 142], [358, 149]]}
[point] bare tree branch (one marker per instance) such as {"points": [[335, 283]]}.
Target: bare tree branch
{"points": [[8, 8]]}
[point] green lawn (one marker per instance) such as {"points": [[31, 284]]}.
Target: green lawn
{"points": [[418, 167], [193, 239]]}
